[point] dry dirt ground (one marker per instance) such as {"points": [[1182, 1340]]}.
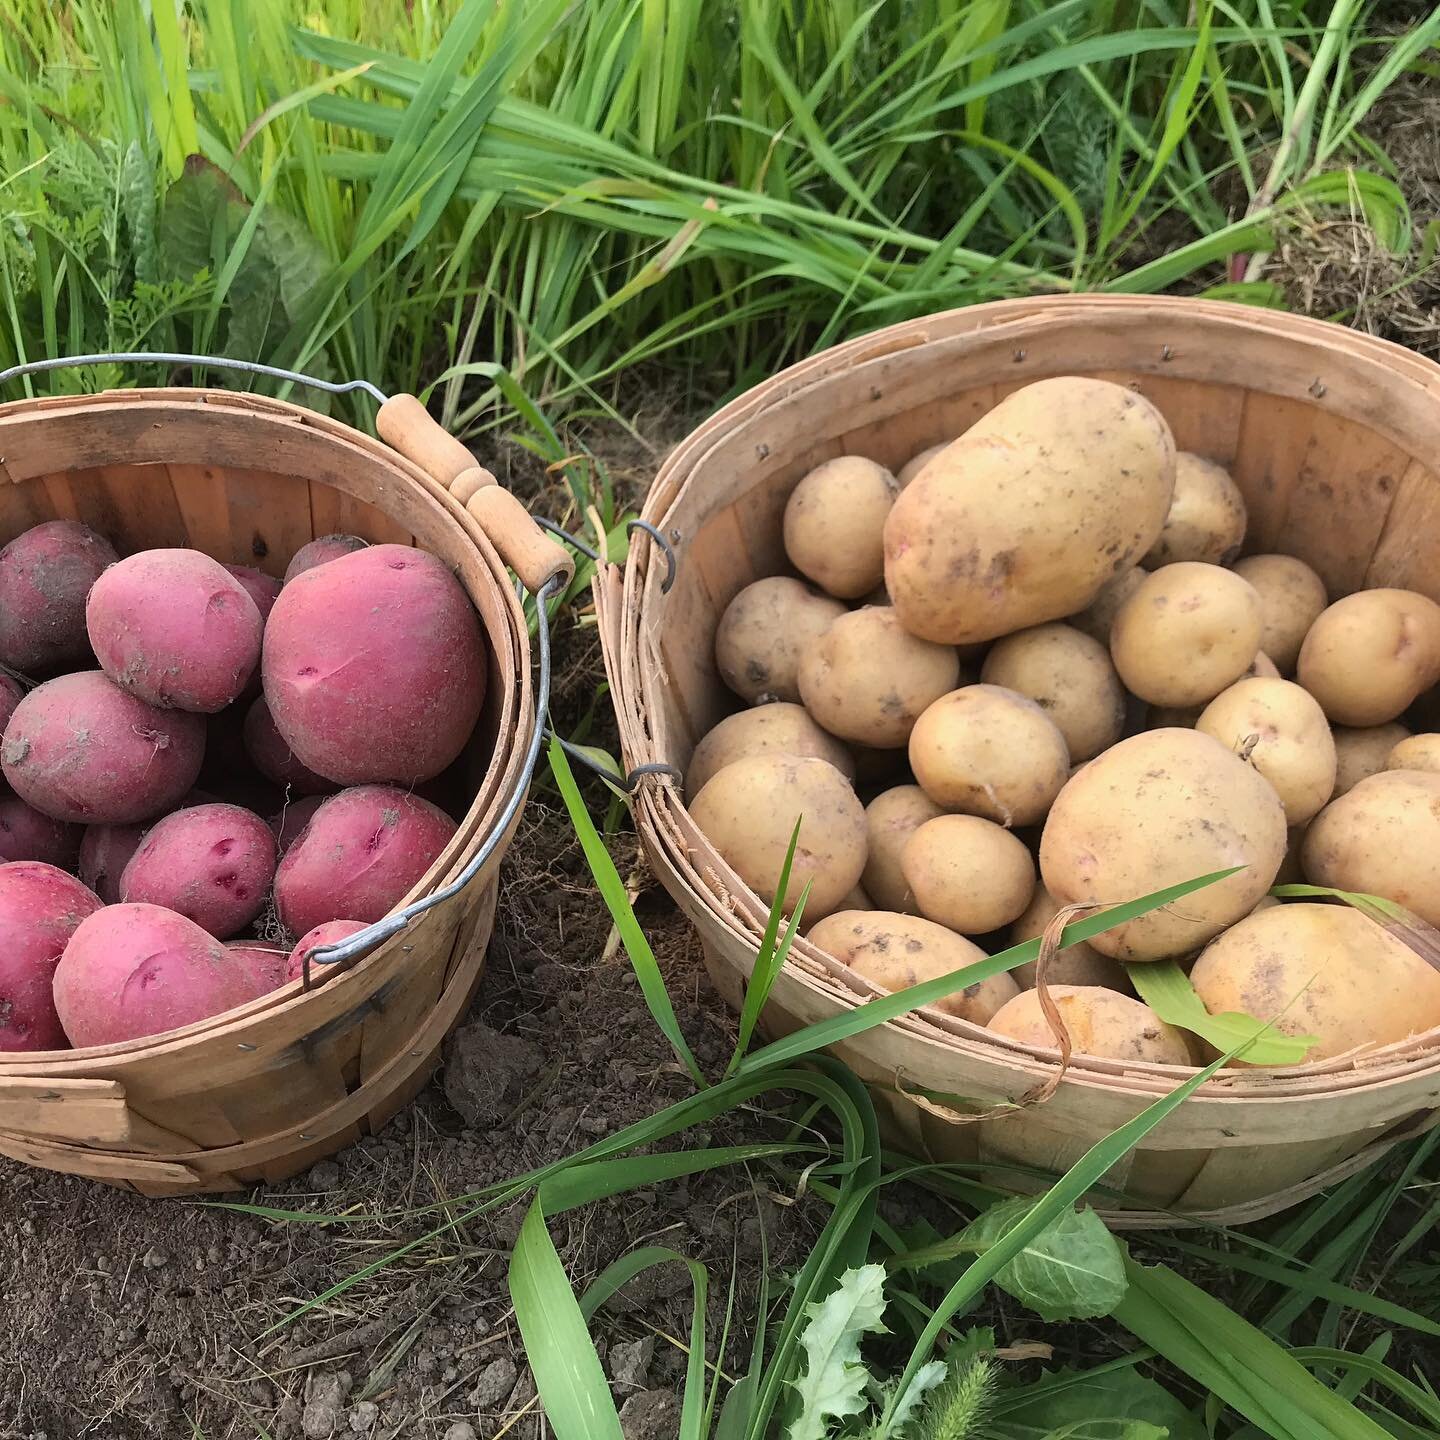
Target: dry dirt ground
{"points": [[129, 1318]]}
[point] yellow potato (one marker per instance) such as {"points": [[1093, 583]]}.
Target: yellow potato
{"points": [[891, 818], [1156, 810], [967, 873], [867, 680], [988, 751], [1262, 667], [765, 631], [1069, 676], [1418, 752], [1292, 596], [916, 463], [1207, 516], [1283, 733], [1186, 633], [1024, 518], [894, 952], [748, 812], [1369, 655], [834, 522], [1322, 970], [1382, 838], [1100, 1022], [1363, 752], [778, 729], [1080, 964], [1099, 616]]}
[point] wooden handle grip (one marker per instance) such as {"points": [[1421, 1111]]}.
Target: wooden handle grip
{"points": [[522, 544], [407, 425]]}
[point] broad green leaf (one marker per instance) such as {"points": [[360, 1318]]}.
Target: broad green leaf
{"points": [[1167, 990], [1073, 1269], [1114, 1403], [833, 1385]]}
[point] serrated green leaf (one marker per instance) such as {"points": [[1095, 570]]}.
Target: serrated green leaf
{"points": [[1073, 1269], [833, 1385], [1167, 990], [1109, 1404]]}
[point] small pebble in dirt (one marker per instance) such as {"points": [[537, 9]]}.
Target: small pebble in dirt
{"points": [[630, 1363], [325, 1394], [486, 1072], [493, 1385], [364, 1416], [461, 1430], [153, 1259], [324, 1176], [651, 1415]]}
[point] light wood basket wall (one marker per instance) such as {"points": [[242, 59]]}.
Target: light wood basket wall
{"points": [[262, 1092], [1334, 438]]}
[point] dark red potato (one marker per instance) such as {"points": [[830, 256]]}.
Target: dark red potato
{"points": [[330, 933], [212, 864], [263, 589], [45, 577], [12, 692], [80, 749], [40, 909], [322, 552], [105, 851], [272, 757], [131, 971], [175, 629], [375, 667], [26, 834], [289, 825], [360, 855]]}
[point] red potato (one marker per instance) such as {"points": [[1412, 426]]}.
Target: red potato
{"points": [[273, 758], [12, 692], [267, 962], [322, 552], [105, 851], [289, 825], [80, 749], [135, 970], [375, 667], [176, 629], [263, 589], [212, 864], [362, 852], [45, 577], [330, 933], [26, 834], [40, 909]]}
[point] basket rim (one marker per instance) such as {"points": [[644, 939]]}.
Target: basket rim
{"points": [[629, 599], [514, 729]]}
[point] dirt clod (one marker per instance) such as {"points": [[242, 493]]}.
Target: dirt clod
{"points": [[486, 1073], [651, 1415]]}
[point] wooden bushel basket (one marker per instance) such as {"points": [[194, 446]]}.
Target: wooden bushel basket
{"points": [[262, 1092], [1332, 436]]}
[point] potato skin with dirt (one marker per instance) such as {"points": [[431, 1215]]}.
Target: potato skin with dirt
{"points": [[26, 834], [1381, 838], [968, 874], [1416, 752], [1370, 654], [1156, 810], [833, 525], [1098, 617], [779, 729], [46, 575], [1292, 596], [866, 679], [891, 818], [1287, 738], [1322, 970], [988, 751], [765, 631], [895, 952], [1207, 516], [1078, 964], [1100, 1022], [1362, 752], [748, 812], [1185, 634], [1063, 485], [321, 551], [1069, 675]]}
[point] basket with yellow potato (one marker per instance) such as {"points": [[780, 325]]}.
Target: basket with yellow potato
{"points": [[1051, 603]]}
